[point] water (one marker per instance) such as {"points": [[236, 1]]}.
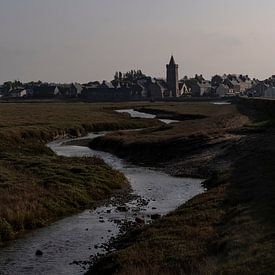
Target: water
{"points": [[222, 103], [76, 238], [136, 114]]}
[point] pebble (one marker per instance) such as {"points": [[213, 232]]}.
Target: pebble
{"points": [[38, 253]]}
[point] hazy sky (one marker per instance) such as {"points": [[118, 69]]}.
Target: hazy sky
{"points": [[82, 40]]}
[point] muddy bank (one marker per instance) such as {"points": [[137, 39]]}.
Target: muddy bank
{"points": [[228, 230], [163, 114], [173, 143], [198, 154]]}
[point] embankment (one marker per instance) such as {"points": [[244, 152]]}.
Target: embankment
{"points": [[186, 148], [261, 105], [228, 230]]}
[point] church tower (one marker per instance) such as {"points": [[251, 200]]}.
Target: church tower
{"points": [[173, 77]]}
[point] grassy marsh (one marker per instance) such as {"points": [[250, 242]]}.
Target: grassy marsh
{"points": [[38, 187]]}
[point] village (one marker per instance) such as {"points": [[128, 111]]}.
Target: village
{"points": [[136, 86]]}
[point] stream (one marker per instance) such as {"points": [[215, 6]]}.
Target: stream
{"points": [[77, 238], [137, 114]]}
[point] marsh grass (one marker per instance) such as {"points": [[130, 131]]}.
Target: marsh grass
{"points": [[170, 142], [227, 230], [38, 187]]}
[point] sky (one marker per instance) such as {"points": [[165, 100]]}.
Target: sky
{"points": [[85, 40]]}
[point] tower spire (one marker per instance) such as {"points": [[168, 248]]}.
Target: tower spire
{"points": [[173, 77], [172, 60]]}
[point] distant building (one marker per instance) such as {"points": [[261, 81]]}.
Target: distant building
{"points": [[76, 90], [184, 90], [17, 93], [45, 91], [258, 89], [224, 91], [106, 92], [239, 83], [159, 89], [269, 92], [173, 77]]}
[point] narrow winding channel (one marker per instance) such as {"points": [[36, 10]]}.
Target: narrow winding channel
{"points": [[81, 236]]}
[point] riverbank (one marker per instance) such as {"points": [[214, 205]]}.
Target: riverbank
{"points": [[229, 229], [187, 148], [36, 186]]}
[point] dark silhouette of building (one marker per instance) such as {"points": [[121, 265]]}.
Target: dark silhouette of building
{"points": [[173, 77]]}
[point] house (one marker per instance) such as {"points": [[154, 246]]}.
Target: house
{"points": [[45, 91], [269, 92], [17, 93], [233, 84], [140, 90], [75, 90], [63, 91], [159, 89], [217, 80], [224, 91], [106, 92], [106, 85], [184, 90], [2, 90], [239, 83], [205, 88], [97, 94], [123, 94], [200, 89], [258, 89]]}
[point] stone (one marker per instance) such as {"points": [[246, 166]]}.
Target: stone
{"points": [[38, 253]]}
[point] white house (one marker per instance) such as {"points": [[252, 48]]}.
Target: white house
{"points": [[224, 91]]}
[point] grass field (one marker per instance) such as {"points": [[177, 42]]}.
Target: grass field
{"points": [[36, 186]]}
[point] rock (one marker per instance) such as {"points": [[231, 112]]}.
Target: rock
{"points": [[140, 220], [108, 211], [38, 253], [154, 208], [155, 216], [122, 208]]}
